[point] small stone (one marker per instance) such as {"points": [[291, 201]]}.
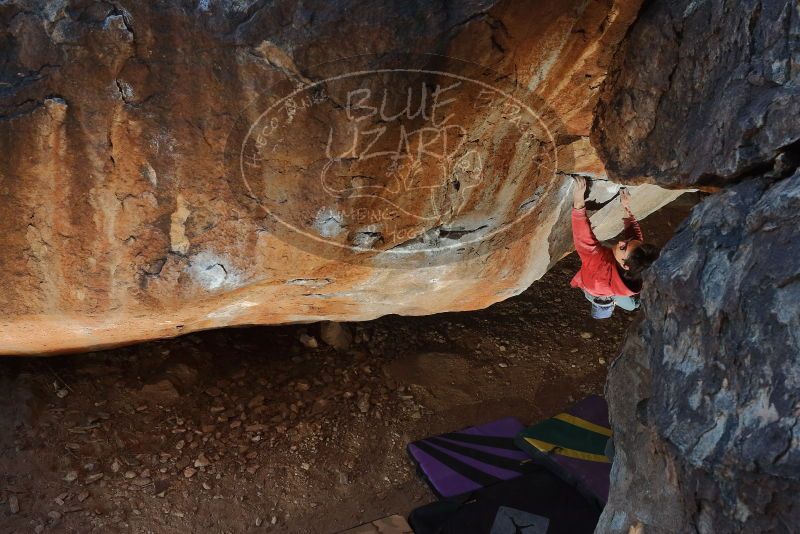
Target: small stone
{"points": [[206, 486], [308, 341], [115, 466], [336, 335], [586, 335], [129, 474], [502, 364], [82, 496], [189, 472], [363, 404], [602, 361], [160, 487], [256, 401], [305, 466], [162, 391], [91, 479], [258, 521], [71, 476], [59, 500], [13, 504], [201, 461]]}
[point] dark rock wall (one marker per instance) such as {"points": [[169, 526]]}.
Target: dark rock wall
{"points": [[705, 394], [723, 74]]}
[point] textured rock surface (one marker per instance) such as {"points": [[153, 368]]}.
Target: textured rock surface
{"points": [[123, 220], [704, 395], [723, 74]]}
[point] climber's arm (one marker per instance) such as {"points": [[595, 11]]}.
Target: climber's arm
{"points": [[583, 237], [632, 228]]}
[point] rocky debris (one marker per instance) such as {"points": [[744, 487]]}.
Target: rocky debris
{"points": [[181, 374], [213, 392], [13, 504], [161, 392], [91, 479], [309, 342], [337, 335]]}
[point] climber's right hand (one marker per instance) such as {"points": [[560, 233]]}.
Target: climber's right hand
{"points": [[578, 192]]}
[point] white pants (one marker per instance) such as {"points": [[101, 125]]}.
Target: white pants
{"points": [[626, 303]]}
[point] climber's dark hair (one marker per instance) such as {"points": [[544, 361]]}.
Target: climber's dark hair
{"points": [[640, 259]]}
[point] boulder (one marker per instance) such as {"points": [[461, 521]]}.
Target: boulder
{"points": [[337, 335], [704, 396], [176, 166], [725, 77]]}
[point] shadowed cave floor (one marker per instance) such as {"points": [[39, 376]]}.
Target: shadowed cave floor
{"points": [[292, 439]]}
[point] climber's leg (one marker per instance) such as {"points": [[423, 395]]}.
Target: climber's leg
{"points": [[602, 307], [627, 303]]}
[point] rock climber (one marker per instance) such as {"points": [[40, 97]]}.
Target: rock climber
{"points": [[610, 273]]}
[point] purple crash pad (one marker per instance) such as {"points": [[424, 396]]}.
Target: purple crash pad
{"points": [[458, 463]]}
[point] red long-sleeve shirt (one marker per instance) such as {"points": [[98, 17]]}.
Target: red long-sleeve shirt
{"points": [[599, 274]]}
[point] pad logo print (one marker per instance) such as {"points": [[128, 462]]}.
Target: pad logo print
{"points": [[512, 521]]}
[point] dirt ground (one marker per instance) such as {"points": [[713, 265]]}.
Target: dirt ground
{"points": [[250, 430]]}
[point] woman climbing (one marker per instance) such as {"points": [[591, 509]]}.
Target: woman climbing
{"points": [[610, 275]]}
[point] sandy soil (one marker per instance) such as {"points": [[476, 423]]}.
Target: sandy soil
{"points": [[250, 430]]}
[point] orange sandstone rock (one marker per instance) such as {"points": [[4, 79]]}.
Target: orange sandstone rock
{"points": [[175, 168]]}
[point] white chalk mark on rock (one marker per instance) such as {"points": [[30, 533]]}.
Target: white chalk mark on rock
{"points": [[329, 223], [177, 231], [213, 272]]}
